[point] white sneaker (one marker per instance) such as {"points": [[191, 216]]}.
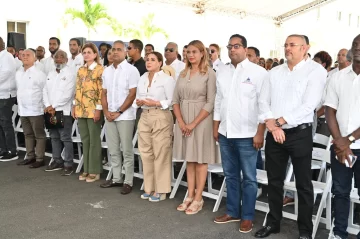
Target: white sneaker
{"points": [[259, 192]]}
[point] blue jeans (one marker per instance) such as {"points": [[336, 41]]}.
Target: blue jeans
{"points": [[259, 162], [342, 180], [239, 156]]}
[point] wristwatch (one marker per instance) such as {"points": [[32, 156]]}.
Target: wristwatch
{"points": [[277, 123], [119, 111], [351, 139]]}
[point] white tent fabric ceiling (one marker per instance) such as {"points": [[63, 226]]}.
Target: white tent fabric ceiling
{"points": [[278, 10]]}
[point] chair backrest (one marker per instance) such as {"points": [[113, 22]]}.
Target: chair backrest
{"points": [[321, 155], [321, 139], [14, 114]]}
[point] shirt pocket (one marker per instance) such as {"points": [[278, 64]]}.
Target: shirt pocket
{"points": [[248, 90]]}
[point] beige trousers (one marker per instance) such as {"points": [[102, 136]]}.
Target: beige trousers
{"points": [[155, 131]]}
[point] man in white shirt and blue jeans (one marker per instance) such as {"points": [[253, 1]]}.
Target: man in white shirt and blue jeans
{"points": [[7, 100], [58, 95], [120, 81], [342, 112], [238, 132], [287, 103]]}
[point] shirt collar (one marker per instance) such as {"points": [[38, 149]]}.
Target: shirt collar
{"points": [[298, 65], [29, 69], [242, 64], [122, 65], [92, 66]]}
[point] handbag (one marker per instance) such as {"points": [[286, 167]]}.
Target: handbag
{"points": [[55, 121]]}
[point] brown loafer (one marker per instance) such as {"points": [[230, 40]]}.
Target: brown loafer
{"points": [[110, 184], [37, 164], [226, 219], [288, 201], [126, 189], [246, 226]]}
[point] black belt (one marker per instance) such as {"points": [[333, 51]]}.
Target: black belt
{"points": [[298, 128]]}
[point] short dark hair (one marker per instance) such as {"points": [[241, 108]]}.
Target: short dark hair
{"points": [[306, 40], [77, 41], [150, 45], [185, 46], [257, 52], [324, 58], [55, 38], [243, 39], [137, 44], [179, 57], [103, 44]]}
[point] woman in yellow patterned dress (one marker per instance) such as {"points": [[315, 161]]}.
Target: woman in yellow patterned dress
{"points": [[87, 110]]}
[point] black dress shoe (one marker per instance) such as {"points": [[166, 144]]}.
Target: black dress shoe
{"points": [[26, 162], [37, 164], [110, 184], [266, 231]]}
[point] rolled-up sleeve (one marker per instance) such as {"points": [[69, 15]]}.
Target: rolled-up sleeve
{"points": [[169, 91], [210, 92]]}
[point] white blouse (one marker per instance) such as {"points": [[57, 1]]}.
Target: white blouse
{"points": [[161, 89]]}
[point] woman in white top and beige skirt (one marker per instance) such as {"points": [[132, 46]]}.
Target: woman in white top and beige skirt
{"points": [[155, 129]]}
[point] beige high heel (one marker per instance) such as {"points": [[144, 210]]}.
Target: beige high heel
{"points": [[195, 207], [92, 178], [183, 206]]}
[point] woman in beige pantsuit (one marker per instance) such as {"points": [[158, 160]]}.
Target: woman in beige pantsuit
{"points": [[193, 104], [154, 95]]}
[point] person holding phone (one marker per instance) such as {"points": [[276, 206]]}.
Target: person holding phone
{"points": [[342, 112]]}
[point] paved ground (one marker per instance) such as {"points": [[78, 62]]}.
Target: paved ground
{"points": [[45, 205]]}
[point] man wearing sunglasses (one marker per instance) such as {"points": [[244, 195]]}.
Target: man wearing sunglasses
{"points": [[134, 52], [214, 51], [171, 52]]}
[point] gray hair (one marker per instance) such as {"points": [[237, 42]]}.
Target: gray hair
{"points": [[119, 41], [59, 52], [349, 56], [176, 45], [298, 36], [32, 52]]}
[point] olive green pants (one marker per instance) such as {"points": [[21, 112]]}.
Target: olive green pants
{"points": [[90, 138]]}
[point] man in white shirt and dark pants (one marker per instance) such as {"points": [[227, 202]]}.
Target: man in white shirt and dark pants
{"points": [[238, 132], [343, 117], [58, 94], [287, 103], [30, 83], [7, 100], [119, 91]]}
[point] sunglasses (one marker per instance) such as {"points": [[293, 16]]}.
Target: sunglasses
{"points": [[129, 48], [212, 51], [169, 49]]}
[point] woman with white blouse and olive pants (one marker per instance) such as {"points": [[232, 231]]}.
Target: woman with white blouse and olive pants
{"points": [[155, 128]]}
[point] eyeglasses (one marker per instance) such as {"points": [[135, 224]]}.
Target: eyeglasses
{"points": [[169, 49], [291, 45], [212, 51], [235, 46]]}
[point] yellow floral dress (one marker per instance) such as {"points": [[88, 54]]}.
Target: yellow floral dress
{"points": [[88, 90]]}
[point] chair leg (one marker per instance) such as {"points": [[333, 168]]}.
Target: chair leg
{"points": [[78, 169], [109, 175], [220, 196], [142, 186], [178, 180]]}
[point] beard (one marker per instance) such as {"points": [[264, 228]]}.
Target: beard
{"points": [[60, 66], [53, 51]]}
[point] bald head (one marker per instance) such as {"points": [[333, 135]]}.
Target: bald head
{"points": [[341, 56], [2, 44]]}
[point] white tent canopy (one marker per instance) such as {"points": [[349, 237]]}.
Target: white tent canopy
{"points": [[277, 10]]}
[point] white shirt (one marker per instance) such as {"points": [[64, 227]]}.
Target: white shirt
{"points": [[236, 101], [60, 89], [49, 65], [217, 64], [7, 75], [77, 62], [333, 71], [30, 85], [343, 96], [161, 89], [40, 65], [293, 95], [19, 63], [118, 82], [178, 66]]}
